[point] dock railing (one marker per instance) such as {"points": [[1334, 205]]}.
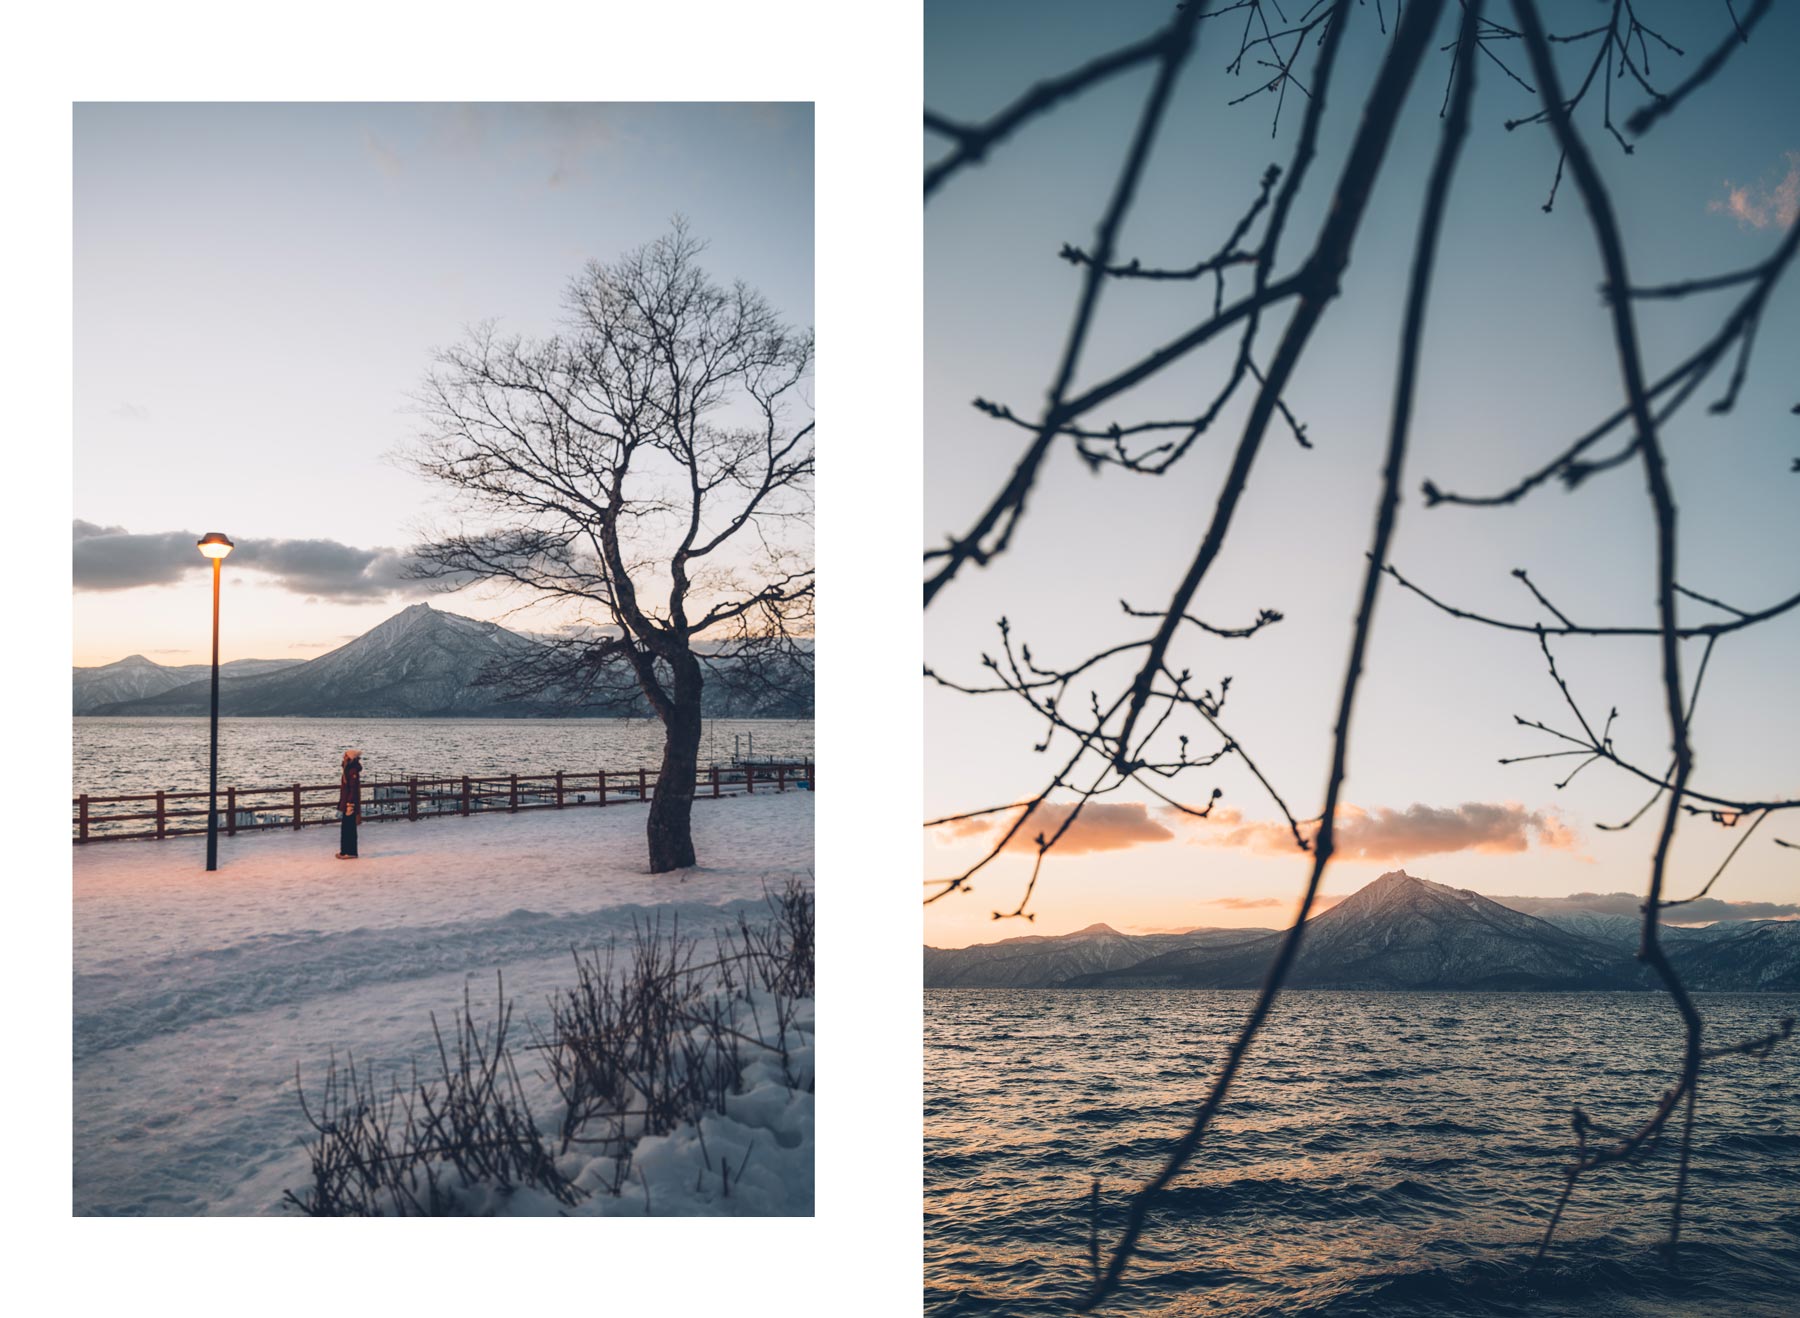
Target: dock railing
{"points": [[165, 814]]}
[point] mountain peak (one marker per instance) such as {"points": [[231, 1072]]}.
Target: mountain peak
{"points": [[420, 661], [414, 613], [1395, 891], [1095, 930], [1401, 931], [413, 616]]}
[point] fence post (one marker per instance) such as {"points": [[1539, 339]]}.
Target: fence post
{"points": [[231, 812], [412, 798], [514, 804], [161, 822], [559, 789], [643, 787], [715, 776], [84, 816], [465, 796], [603, 787], [781, 777], [750, 779]]}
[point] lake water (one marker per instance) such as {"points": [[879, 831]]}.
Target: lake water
{"points": [[128, 755], [1391, 1154]]}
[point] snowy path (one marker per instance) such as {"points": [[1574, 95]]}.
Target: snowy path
{"points": [[196, 993]]}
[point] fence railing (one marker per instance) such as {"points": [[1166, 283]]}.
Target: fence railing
{"points": [[299, 805]]}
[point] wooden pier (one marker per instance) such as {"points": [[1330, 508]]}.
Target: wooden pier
{"points": [[153, 815]]}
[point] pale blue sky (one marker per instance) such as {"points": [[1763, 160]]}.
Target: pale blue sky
{"points": [[1519, 361], [259, 288]]}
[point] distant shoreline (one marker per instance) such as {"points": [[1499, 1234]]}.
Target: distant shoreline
{"points": [[1318, 988], [477, 718]]}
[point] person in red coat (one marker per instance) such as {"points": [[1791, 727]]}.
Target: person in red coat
{"points": [[349, 804]]}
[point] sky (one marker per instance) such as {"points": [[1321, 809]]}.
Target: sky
{"points": [[259, 290], [1518, 361]]}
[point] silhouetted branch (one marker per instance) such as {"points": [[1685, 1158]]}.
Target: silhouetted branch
{"points": [[1644, 118], [1569, 465], [1409, 40], [1129, 733], [1599, 746], [1003, 515], [972, 141], [1566, 628], [1612, 255], [1729, 857]]}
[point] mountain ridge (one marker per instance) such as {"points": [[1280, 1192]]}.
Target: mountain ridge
{"points": [[419, 663], [1395, 933], [137, 676], [1046, 960]]}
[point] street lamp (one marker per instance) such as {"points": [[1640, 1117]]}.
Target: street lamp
{"points": [[215, 545]]}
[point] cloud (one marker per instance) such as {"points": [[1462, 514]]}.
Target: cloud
{"points": [[1386, 835], [131, 412], [1323, 901], [962, 828], [581, 631], [327, 568], [1761, 204], [1704, 911], [1382, 835], [113, 558], [1101, 826]]}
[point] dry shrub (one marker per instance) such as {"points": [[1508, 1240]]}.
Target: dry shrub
{"points": [[640, 1044]]}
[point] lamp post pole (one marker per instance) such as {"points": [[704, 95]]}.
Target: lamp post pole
{"points": [[215, 546]]}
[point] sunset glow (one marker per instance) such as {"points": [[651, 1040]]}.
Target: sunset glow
{"points": [[407, 222]]}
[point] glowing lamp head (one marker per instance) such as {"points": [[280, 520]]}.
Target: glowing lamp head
{"points": [[215, 544]]}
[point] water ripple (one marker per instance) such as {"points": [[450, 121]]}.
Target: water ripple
{"points": [[1382, 1154]]}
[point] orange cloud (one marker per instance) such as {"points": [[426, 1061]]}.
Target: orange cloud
{"points": [[962, 828], [1759, 204], [1388, 835], [1101, 826], [1323, 901]]}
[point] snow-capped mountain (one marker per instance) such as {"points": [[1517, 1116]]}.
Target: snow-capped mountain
{"points": [[135, 677], [1400, 932], [1047, 961], [1757, 956], [422, 662], [1624, 931], [1603, 927]]}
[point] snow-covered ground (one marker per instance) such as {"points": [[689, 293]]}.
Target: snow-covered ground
{"points": [[196, 994]]}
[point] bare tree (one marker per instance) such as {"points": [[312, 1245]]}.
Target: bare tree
{"points": [[1122, 713], [650, 468]]}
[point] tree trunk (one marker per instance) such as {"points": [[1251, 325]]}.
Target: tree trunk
{"points": [[670, 826]]}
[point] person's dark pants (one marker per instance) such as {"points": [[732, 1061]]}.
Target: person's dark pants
{"points": [[347, 836]]}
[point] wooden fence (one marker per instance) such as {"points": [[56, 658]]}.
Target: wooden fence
{"points": [[249, 809]]}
